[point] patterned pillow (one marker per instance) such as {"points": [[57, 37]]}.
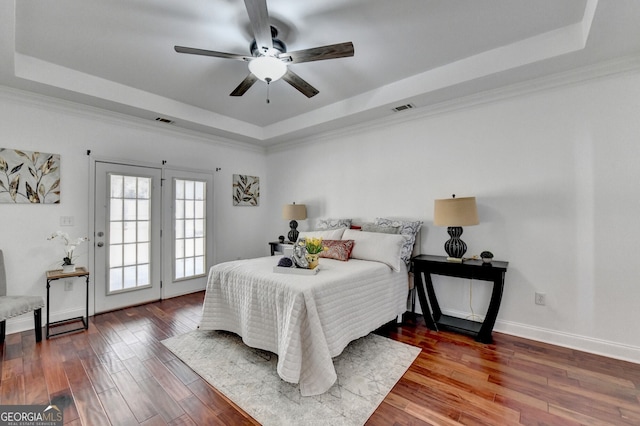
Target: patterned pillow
{"points": [[408, 228], [337, 249], [324, 224], [384, 229]]}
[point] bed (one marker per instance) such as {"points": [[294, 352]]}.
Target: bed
{"points": [[309, 319]]}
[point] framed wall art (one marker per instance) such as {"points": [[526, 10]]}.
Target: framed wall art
{"points": [[246, 190], [28, 177]]}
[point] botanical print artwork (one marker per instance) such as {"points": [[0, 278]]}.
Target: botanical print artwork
{"points": [[29, 177], [246, 190]]}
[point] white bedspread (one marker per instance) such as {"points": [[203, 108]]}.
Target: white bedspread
{"points": [[306, 320]]}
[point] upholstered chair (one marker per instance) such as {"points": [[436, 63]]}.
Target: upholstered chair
{"points": [[12, 306]]}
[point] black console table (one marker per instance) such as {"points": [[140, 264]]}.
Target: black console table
{"points": [[473, 269]]}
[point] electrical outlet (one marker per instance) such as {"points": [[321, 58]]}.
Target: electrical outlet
{"points": [[68, 286], [541, 298]]}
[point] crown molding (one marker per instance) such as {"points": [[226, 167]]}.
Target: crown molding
{"points": [[81, 110], [574, 77]]}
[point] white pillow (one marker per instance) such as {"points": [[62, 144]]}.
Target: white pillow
{"points": [[376, 246], [331, 234]]}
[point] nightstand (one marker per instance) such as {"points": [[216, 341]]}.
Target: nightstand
{"points": [[278, 247], [473, 269]]}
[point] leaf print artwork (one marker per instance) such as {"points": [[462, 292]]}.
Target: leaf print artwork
{"points": [[246, 190], [29, 177]]}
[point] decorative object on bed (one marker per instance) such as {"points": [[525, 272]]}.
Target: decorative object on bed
{"points": [[314, 247], [29, 177], [368, 368], [454, 213], [377, 247], [337, 249], [305, 320], [330, 223], [385, 229], [408, 228], [299, 256], [293, 213], [329, 234], [246, 190]]}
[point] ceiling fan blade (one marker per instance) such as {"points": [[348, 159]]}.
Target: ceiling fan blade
{"points": [[259, 18], [296, 81], [332, 51], [245, 85], [194, 51]]}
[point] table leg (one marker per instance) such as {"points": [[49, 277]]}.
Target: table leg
{"points": [[484, 335]]}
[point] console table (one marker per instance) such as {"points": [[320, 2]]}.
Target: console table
{"points": [[56, 275], [473, 269]]}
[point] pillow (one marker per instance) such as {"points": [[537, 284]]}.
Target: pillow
{"points": [[331, 234], [324, 224], [372, 227], [408, 228], [337, 249], [377, 247]]}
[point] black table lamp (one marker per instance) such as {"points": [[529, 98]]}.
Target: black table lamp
{"points": [[454, 213], [294, 212]]}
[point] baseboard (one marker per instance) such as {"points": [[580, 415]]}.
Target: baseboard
{"points": [[25, 322], [572, 341], [567, 340]]}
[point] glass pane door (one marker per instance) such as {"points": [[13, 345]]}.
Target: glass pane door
{"points": [[129, 232], [190, 228]]}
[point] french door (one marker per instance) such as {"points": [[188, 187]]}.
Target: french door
{"points": [[187, 237], [127, 254]]}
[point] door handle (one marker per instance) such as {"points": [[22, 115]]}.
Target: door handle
{"points": [[100, 244]]}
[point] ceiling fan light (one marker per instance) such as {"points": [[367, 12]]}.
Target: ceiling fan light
{"points": [[267, 67]]}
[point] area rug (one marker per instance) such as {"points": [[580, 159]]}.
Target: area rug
{"points": [[367, 370]]}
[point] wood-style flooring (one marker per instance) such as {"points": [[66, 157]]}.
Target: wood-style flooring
{"points": [[118, 373]]}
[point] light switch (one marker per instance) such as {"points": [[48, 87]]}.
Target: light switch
{"points": [[66, 220]]}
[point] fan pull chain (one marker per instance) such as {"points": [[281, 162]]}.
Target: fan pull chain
{"points": [[268, 80]]}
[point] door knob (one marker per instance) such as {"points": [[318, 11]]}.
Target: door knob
{"points": [[100, 244]]}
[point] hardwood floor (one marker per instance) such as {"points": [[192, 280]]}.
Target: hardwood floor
{"points": [[119, 373]]}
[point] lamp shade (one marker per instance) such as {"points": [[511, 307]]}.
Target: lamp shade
{"points": [[455, 212], [267, 68], [294, 212]]}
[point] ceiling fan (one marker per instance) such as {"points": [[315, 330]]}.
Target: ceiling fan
{"points": [[269, 58]]}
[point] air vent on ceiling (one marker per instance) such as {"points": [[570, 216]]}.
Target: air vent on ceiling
{"points": [[164, 120], [403, 107]]}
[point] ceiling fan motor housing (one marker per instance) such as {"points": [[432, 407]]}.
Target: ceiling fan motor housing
{"points": [[277, 44]]}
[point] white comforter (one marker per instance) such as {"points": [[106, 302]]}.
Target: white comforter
{"points": [[306, 320]]}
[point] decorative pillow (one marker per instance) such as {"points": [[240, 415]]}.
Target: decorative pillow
{"points": [[372, 227], [408, 228], [330, 234], [377, 247], [337, 249], [324, 224]]}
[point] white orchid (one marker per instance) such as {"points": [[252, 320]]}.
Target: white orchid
{"points": [[69, 245]]}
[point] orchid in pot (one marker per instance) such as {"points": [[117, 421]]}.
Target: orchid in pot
{"points": [[69, 246]]}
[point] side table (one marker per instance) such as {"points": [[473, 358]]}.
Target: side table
{"points": [[472, 269], [56, 275], [277, 246]]}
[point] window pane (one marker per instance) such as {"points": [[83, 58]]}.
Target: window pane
{"points": [[143, 253], [200, 190], [179, 268], [129, 232], [129, 277], [130, 254], [116, 186], [115, 255], [143, 210], [115, 279], [130, 186], [115, 233], [143, 231], [116, 209], [143, 275], [199, 246], [144, 187]]}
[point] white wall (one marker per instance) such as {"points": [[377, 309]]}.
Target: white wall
{"points": [[555, 173], [35, 123]]}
